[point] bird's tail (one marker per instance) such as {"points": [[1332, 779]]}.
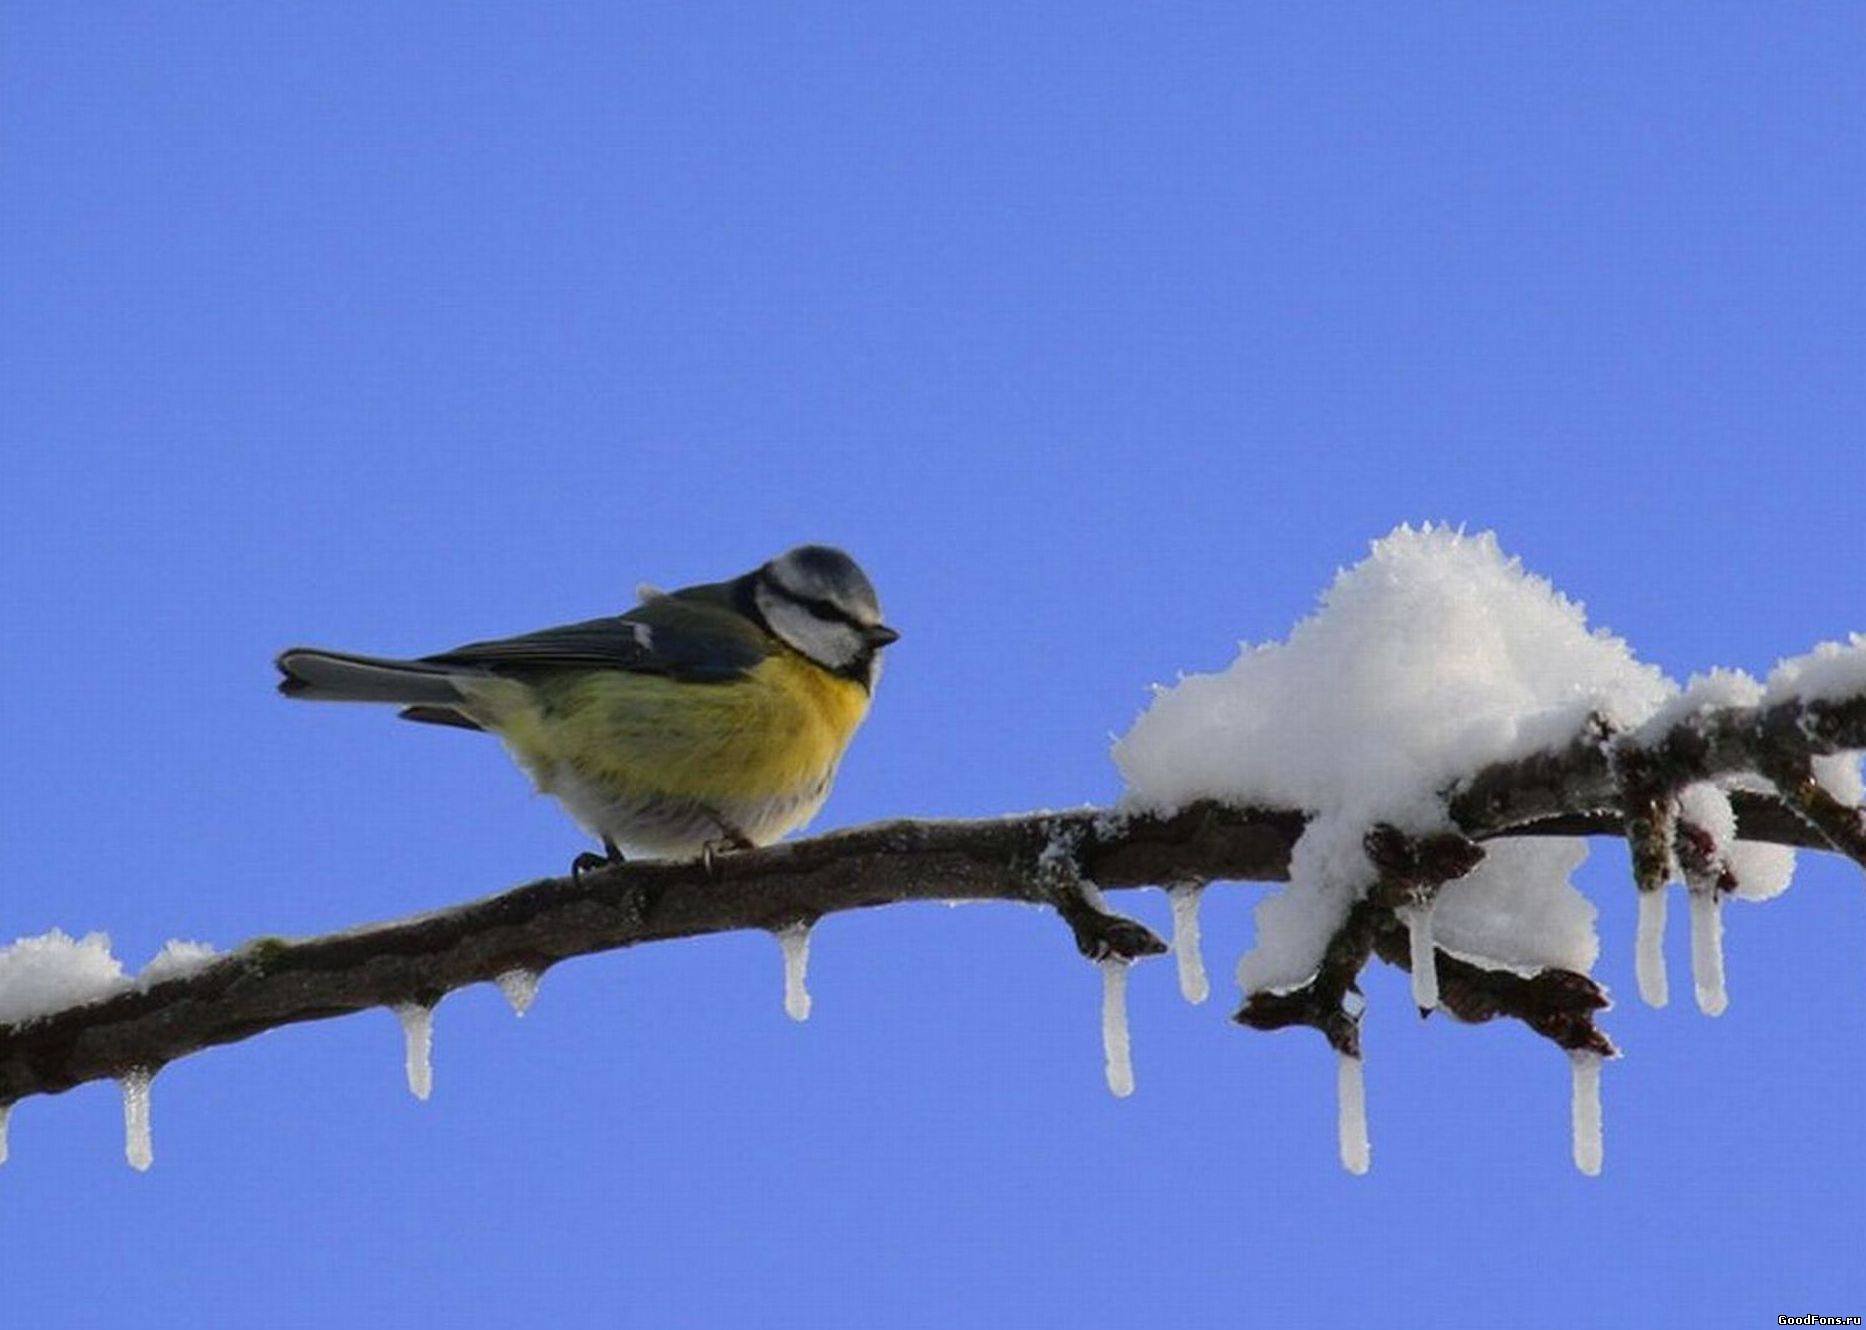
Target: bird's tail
{"points": [[333, 676]]}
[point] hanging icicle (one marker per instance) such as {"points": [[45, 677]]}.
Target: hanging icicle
{"points": [[1649, 958], [417, 1046], [1707, 951], [1351, 1114], [1194, 987], [1584, 1110], [795, 940], [1418, 921], [1117, 1055], [520, 987], [138, 1144]]}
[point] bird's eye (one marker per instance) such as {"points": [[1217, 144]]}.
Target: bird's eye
{"points": [[825, 611]]}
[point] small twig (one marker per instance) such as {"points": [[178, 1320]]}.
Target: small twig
{"points": [[1100, 934], [1648, 799], [1322, 1003], [1413, 868], [1703, 868], [1841, 825], [1556, 1004]]}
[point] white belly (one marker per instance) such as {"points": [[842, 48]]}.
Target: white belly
{"points": [[675, 828]]}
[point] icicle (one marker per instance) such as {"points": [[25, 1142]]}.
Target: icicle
{"points": [[796, 943], [1584, 1110], [1649, 960], [1193, 985], [137, 1144], [1418, 919], [1707, 951], [6, 1111], [417, 1046], [1117, 1055], [1351, 1113], [520, 987]]}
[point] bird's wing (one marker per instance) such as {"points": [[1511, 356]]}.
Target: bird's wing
{"points": [[693, 640]]}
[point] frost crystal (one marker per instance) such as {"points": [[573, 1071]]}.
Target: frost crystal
{"points": [[417, 1046], [1649, 960], [1117, 1056], [1193, 985], [1584, 1110], [1839, 775], [177, 958], [44, 974], [1832, 670], [138, 1146], [1763, 871], [520, 988], [795, 941], [1715, 690], [1707, 951], [1418, 920], [1707, 807], [1351, 1114]]}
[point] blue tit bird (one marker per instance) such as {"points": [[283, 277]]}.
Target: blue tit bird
{"points": [[711, 716]]}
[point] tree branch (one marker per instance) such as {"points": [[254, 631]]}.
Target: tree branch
{"points": [[273, 982]]}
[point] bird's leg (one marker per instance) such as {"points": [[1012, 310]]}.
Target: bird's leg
{"points": [[730, 839], [589, 861]]}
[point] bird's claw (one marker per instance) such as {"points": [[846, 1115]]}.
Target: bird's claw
{"points": [[732, 843], [590, 861]]}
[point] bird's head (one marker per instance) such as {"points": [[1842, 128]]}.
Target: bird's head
{"points": [[816, 600]]}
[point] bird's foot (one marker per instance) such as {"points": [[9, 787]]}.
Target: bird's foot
{"points": [[589, 861], [730, 839], [733, 842]]}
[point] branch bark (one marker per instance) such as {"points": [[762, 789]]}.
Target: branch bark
{"points": [[274, 982]]}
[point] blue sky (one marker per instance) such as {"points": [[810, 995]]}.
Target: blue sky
{"points": [[1102, 336]]}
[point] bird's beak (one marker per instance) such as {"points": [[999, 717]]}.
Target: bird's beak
{"points": [[880, 635]]}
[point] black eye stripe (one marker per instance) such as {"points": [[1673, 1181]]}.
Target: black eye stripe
{"points": [[815, 606], [822, 609]]}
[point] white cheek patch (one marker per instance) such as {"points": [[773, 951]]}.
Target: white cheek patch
{"points": [[830, 644], [803, 581]]}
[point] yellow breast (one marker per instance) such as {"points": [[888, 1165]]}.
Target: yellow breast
{"points": [[777, 733]]}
